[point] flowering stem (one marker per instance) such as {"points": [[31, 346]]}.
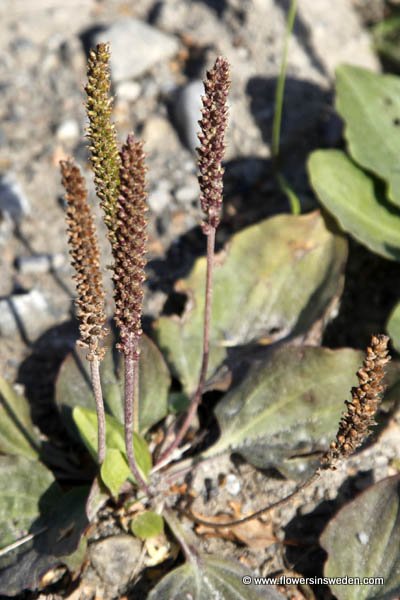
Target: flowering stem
{"points": [[196, 398], [131, 405], [210, 154], [101, 418]]}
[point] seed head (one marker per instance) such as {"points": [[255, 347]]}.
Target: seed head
{"points": [[212, 146], [105, 158], [85, 259], [355, 424], [130, 245]]}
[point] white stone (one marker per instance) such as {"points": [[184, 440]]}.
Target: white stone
{"points": [[128, 90], [363, 538], [68, 130], [232, 484], [136, 47]]}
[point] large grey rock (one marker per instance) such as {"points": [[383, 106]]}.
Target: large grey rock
{"points": [[187, 112], [136, 47]]}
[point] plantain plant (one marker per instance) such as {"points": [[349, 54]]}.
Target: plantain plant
{"points": [[280, 413]]}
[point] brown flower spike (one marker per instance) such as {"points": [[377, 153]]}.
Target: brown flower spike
{"points": [[361, 410], [130, 247], [212, 146], [105, 158], [85, 259]]}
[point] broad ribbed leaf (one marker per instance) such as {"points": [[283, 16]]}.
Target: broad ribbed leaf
{"points": [[363, 540], [211, 577], [73, 384], [273, 278], [27, 490], [57, 540], [370, 106], [147, 525], [356, 201], [17, 434], [289, 405]]}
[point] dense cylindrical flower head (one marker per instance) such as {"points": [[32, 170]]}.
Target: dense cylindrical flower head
{"points": [[355, 424], [85, 259], [105, 157], [130, 245], [212, 146]]}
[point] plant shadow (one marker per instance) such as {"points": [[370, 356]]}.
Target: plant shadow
{"points": [[304, 555]]}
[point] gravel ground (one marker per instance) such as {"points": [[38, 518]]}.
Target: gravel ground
{"points": [[44, 44]]}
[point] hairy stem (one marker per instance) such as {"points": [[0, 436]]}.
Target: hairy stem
{"points": [[196, 398], [131, 360], [101, 417], [185, 537]]}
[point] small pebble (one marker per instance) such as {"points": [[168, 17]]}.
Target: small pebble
{"points": [[128, 90], [68, 130], [232, 484], [363, 538], [159, 136]]}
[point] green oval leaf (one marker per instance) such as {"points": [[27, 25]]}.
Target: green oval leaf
{"points": [[356, 202], [86, 422], [115, 470], [147, 525], [17, 433], [370, 106], [363, 540], [210, 577], [257, 291], [73, 384], [288, 405]]}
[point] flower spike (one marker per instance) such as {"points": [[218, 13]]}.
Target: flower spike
{"points": [[105, 158], [212, 146], [355, 424], [85, 259]]}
